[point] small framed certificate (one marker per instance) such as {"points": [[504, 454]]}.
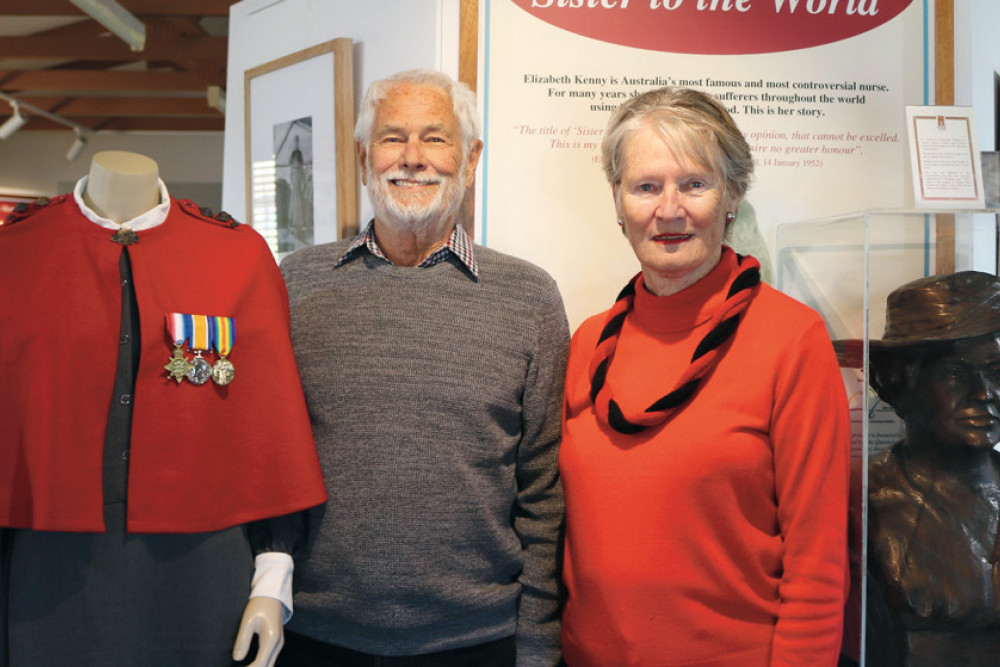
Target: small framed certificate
{"points": [[945, 163]]}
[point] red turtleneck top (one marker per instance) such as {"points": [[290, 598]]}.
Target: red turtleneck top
{"points": [[717, 538]]}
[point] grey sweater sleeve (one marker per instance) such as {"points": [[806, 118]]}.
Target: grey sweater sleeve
{"points": [[538, 518]]}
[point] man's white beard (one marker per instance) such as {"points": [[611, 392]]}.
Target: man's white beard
{"points": [[420, 219]]}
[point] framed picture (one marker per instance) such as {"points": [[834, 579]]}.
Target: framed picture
{"points": [[944, 162], [301, 180]]}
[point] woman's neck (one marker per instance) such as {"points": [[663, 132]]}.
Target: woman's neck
{"points": [[664, 284]]}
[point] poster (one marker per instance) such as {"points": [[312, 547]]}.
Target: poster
{"points": [[817, 86]]}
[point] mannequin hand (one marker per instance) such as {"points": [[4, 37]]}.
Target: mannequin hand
{"points": [[261, 617]]}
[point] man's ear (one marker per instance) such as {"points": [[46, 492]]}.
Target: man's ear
{"points": [[362, 161], [475, 151]]}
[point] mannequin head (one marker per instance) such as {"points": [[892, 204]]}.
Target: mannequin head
{"points": [[122, 185]]}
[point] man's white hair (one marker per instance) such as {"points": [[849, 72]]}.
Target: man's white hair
{"points": [[463, 102]]}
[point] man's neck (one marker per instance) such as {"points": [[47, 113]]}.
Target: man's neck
{"points": [[406, 247]]}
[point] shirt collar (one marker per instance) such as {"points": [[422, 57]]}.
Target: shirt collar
{"points": [[459, 244], [151, 218]]}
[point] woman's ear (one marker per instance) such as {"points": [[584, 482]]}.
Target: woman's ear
{"points": [[616, 191], [733, 207]]}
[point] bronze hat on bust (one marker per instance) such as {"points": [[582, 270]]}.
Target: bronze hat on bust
{"points": [[941, 308]]}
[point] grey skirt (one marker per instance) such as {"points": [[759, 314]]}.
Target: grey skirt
{"points": [[119, 600]]}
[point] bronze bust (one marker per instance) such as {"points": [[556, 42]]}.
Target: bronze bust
{"points": [[934, 497]]}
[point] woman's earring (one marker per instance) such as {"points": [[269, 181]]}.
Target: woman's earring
{"points": [[620, 223], [730, 217]]}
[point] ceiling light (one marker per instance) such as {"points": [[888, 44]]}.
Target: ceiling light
{"points": [[217, 99], [117, 19], [14, 123], [78, 144]]}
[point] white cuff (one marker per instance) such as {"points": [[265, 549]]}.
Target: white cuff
{"points": [[272, 578]]}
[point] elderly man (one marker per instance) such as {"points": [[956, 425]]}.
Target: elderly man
{"points": [[433, 372]]}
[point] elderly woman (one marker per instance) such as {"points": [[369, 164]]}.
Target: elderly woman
{"points": [[705, 439]]}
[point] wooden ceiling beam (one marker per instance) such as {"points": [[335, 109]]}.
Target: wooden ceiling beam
{"points": [[123, 106], [138, 7], [175, 124], [81, 73], [133, 124], [184, 25], [79, 30], [107, 80], [159, 46]]}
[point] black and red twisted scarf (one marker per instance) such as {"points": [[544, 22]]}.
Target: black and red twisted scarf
{"points": [[740, 292]]}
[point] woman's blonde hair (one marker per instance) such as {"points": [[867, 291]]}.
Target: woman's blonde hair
{"points": [[693, 124]]}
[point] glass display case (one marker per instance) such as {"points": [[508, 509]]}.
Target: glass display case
{"points": [[844, 267]]}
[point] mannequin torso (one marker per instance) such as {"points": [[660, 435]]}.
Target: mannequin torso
{"points": [[54, 577]]}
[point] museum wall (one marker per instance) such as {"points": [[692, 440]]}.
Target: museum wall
{"points": [[388, 36], [977, 62], [33, 162]]}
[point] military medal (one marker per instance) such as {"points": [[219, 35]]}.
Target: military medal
{"points": [[178, 366], [201, 333], [200, 342], [223, 337]]}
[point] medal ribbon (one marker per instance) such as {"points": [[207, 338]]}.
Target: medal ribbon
{"points": [[223, 334], [198, 331], [177, 327]]}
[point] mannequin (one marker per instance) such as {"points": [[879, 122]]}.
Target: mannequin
{"points": [[123, 192], [121, 186]]}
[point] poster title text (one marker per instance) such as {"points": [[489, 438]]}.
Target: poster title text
{"points": [[848, 7]]}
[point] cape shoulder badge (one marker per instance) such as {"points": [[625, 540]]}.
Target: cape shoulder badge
{"points": [[195, 336], [24, 210], [205, 214]]}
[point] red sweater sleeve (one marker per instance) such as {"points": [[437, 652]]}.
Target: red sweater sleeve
{"points": [[811, 441]]}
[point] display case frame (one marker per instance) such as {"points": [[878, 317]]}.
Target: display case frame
{"points": [[844, 267]]}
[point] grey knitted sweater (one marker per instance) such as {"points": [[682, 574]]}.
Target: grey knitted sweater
{"points": [[435, 401]]}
